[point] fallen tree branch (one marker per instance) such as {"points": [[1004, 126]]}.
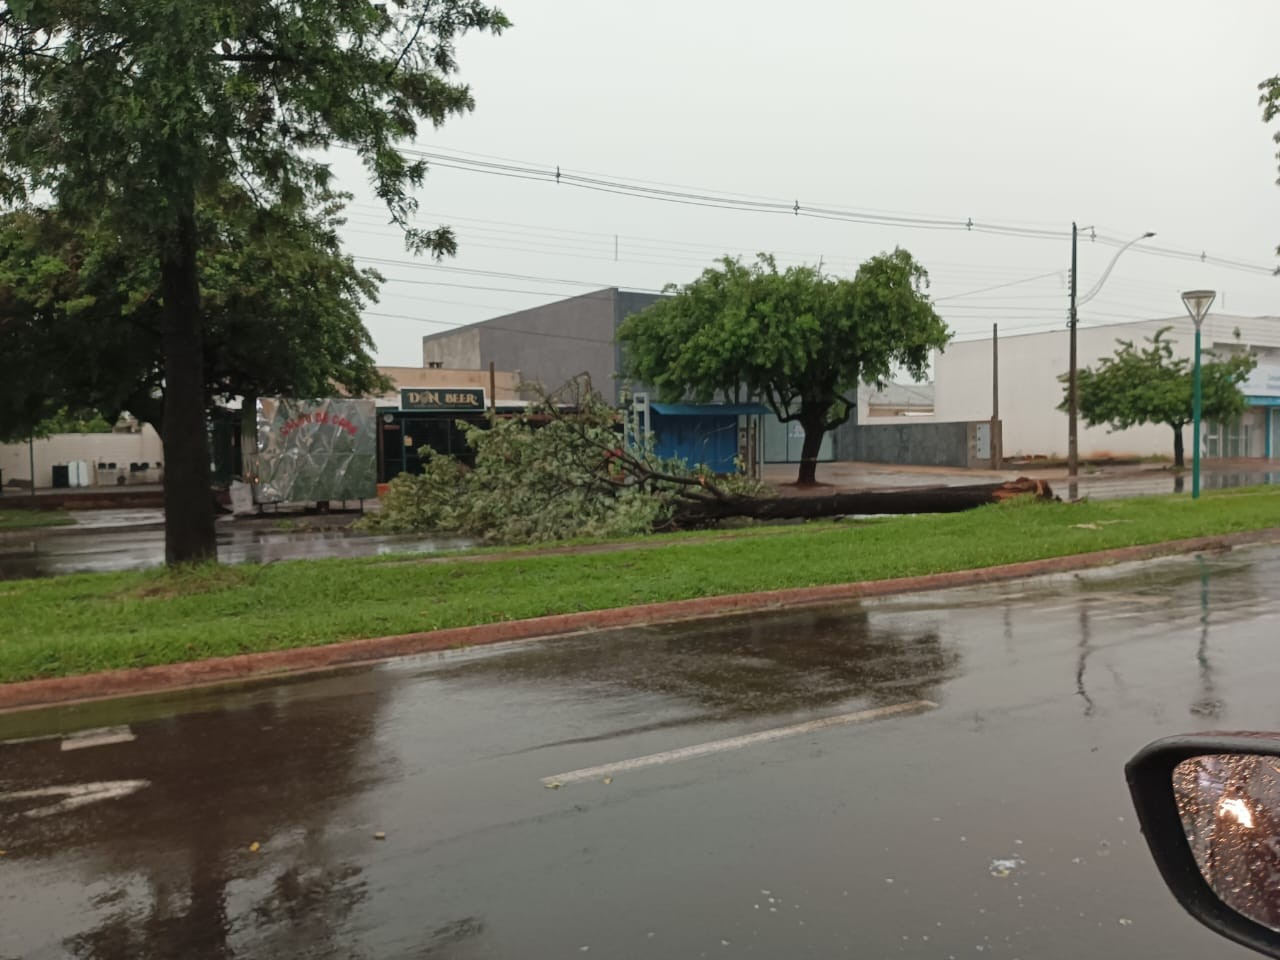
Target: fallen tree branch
{"points": [[940, 499]]}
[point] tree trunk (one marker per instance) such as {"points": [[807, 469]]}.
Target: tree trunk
{"points": [[1177, 446], [914, 500], [188, 505], [813, 431]]}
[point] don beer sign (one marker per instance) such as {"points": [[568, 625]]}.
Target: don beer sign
{"points": [[444, 399]]}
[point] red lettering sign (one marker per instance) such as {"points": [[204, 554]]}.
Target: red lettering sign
{"points": [[342, 423]]}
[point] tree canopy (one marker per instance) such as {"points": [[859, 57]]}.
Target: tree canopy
{"points": [[798, 339], [127, 115], [280, 310], [1147, 384]]}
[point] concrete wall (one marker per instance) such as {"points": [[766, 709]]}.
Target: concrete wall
{"points": [[556, 342], [455, 350], [627, 303], [1030, 365], [505, 381], [119, 448], [910, 442]]}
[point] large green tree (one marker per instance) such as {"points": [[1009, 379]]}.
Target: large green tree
{"points": [[79, 311], [127, 114], [1148, 384], [797, 338]]}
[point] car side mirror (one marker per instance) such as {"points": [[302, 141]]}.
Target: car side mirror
{"points": [[1209, 807]]}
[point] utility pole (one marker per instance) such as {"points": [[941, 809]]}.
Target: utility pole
{"points": [[1073, 403], [1073, 463], [997, 440]]}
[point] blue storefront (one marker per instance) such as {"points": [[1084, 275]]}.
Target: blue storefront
{"points": [[714, 435], [1257, 432], [1262, 390]]}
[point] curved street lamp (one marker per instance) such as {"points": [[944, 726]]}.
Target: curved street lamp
{"points": [[1073, 405], [1197, 303]]}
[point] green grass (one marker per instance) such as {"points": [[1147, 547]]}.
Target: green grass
{"points": [[87, 622], [11, 519]]}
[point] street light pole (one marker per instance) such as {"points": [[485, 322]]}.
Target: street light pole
{"points": [[1197, 303], [1073, 405]]}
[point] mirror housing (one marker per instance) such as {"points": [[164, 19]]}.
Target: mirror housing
{"points": [[1150, 775]]}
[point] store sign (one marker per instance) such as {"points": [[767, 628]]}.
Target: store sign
{"points": [[445, 399], [1264, 381]]}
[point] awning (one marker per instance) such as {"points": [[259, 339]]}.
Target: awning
{"points": [[709, 409]]}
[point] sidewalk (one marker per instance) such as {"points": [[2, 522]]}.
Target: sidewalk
{"points": [[149, 495], [884, 476], [876, 476]]}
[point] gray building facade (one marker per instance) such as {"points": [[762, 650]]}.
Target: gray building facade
{"points": [[549, 344]]}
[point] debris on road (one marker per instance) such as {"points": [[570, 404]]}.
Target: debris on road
{"points": [[1002, 867]]}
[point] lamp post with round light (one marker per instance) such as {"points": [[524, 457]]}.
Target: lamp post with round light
{"points": [[1197, 303], [1073, 403]]}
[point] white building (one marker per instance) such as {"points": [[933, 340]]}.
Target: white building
{"points": [[1030, 391], [133, 455]]}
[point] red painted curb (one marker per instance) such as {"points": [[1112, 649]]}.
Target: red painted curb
{"points": [[132, 682]]}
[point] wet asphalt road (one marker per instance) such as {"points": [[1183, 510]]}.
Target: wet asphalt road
{"points": [[123, 546], [994, 825], [1111, 487]]}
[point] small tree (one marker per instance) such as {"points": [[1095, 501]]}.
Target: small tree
{"points": [[1149, 385], [798, 338]]}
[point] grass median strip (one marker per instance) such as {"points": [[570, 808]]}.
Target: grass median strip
{"points": [[86, 622], [19, 519]]}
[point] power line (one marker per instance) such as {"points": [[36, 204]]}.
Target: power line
{"points": [[999, 286], [689, 197], [937, 267], [599, 294], [1174, 254], [473, 271], [573, 248], [748, 203], [489, 326]]}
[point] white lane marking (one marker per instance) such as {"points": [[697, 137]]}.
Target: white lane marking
{"points": [[74, 795], [98, 737], [735, 743]]}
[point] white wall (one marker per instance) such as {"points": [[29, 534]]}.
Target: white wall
{"points": [[1030, 365], [119, 448]]}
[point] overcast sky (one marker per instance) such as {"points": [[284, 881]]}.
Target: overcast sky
{"points": [[1126, 116]]}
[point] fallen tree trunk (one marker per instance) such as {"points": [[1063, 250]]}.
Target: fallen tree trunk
{"points": [[939, 499]]}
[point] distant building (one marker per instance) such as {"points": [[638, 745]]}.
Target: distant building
{"points": [[1030, 391], [427, 405], [505, 382], [548, 345], [130, 454], [898, 400]]}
